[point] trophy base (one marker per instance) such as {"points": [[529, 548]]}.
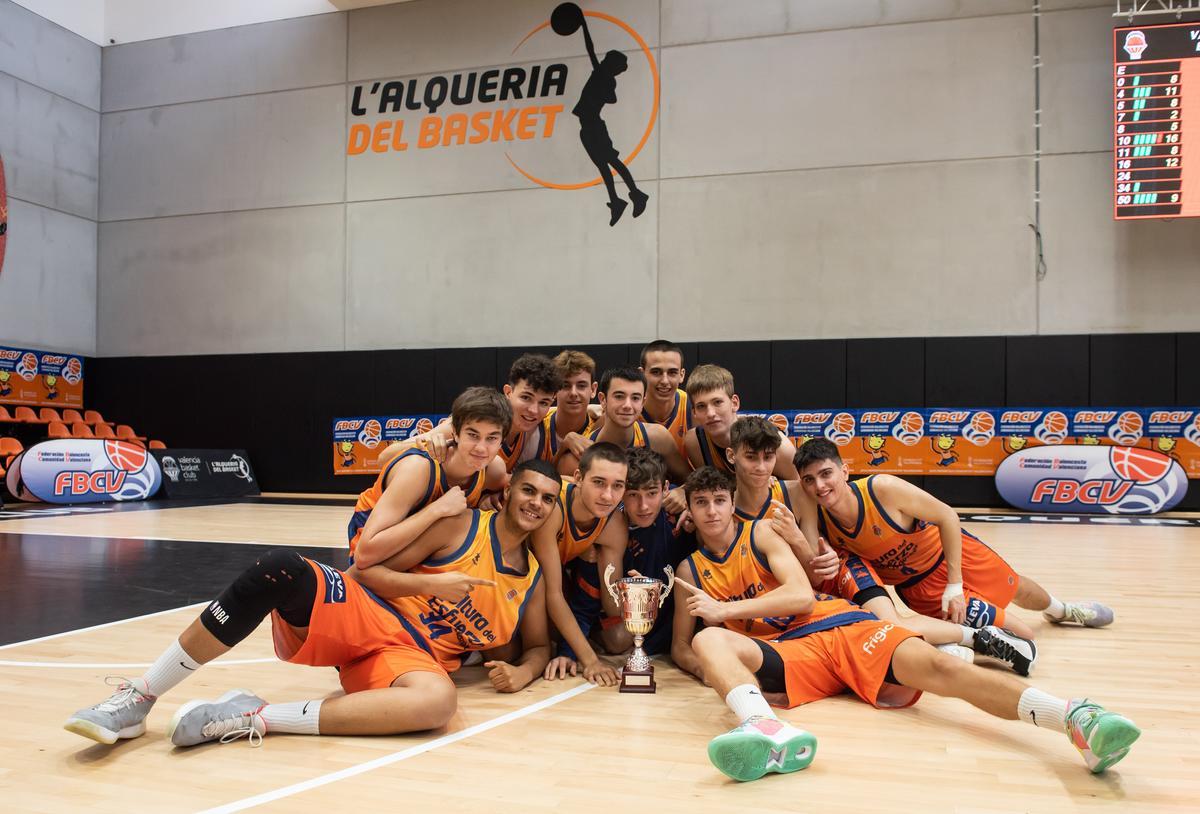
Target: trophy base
{"points": [[637, 680]]}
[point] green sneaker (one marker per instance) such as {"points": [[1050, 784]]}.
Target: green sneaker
{"points": [[762, 745], [1102, 737]]}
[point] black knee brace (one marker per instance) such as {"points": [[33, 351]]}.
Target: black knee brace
{"points": [[281, 580]]}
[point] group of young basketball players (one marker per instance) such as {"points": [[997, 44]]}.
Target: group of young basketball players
{"points": [[484, 539]]}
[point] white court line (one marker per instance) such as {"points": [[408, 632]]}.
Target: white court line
{"points": [[100, 627], [387, 760], [154, 538], [77, 666]]}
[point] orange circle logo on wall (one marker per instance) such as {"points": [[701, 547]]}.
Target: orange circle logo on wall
{"points": [[3, 214], [600, 90]]}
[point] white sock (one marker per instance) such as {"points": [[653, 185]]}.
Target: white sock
{"points": [[1055, 609], [746, 701], [172, 667], [1042, 709], [296, 718], [968, 636]]}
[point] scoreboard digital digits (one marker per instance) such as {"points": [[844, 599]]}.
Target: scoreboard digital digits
{"points": [[1156, 158]]}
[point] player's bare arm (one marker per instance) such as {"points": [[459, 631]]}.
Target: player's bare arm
{"points": [[661, 442], [610, 550], [683, 628], [784, 468], [912, 503], [545, 547], [390, 527], [535, 642]]}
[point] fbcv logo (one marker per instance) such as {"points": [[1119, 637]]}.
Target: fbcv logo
{"points": [[1091, 480]]}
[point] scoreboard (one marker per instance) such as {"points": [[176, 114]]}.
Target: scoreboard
{"points": [[1156, 157]]}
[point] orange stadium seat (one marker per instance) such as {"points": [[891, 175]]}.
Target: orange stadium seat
{"points": [[126, 433], [104, 431], [48, 414], [71, 417], [25, 414], [93, 417], [9, 449], [57, 429], [81, 430], [156, 444], [4, 414]]}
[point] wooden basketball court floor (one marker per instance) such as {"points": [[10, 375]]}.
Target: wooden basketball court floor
{"points": [[91, 594]]}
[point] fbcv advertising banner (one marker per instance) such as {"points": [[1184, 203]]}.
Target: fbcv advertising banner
{"points": [[38, 378], [88, 470], [358, 442], [1091, 480]]}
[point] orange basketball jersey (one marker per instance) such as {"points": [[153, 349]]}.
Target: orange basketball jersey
{"points": [[639, 439], [435, 488], [778, 492], [678, 421], [573, 540], [896, 554], [486, 617], [550, 435], [742, 572], [712, 454]]}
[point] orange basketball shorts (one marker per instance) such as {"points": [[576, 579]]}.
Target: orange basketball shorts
{"points": [[368, 640], [989, 585], [855, 657]]}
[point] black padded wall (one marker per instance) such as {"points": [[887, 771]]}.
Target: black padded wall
{"points": [[279, 406]]}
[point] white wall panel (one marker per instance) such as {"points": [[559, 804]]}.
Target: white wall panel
{"points": [[937, 249], [50, 148], [242, 282], [441, 35], [1077, 80], [276, 149], [1109, 277], [687, 21], [48, 56], [283, 55], [922, 92], [48, 286], [507, 268]]}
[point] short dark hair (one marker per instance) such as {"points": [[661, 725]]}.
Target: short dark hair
{"points": [[708, 479], [660, 346], [755, 433], [539, 466], [815, 450], [629, 374], [602, 451], [646, 468], [536, 370], [481, 404]]}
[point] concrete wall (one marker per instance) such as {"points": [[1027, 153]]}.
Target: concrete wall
{"points": [[50, 142], [825, 168]]}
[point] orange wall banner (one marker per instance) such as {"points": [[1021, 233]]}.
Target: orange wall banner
{"points": [[358, 442], [975, 440], [40, 379]]}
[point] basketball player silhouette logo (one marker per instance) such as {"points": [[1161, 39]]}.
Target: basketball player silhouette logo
{"points": [[599, 90]]}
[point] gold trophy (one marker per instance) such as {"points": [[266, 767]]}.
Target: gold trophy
{"points": [[639, 599]]}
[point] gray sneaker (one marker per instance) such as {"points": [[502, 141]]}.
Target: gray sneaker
{"points": [[234, 715], [123, 715], [1088, 614]]}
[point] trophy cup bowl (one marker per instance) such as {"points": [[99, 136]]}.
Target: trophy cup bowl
{"points": [[639, 599]]}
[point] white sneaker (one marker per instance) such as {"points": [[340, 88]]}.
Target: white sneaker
{"points": [[232, 716], [762, 745]]}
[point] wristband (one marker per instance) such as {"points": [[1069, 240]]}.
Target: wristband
{"points": [[953, 589]]}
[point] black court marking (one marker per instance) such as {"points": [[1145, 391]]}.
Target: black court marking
{"points": [[1080, 519], [52, 584], [26, 511]]}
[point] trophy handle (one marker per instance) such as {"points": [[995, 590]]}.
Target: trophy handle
{"points": [[670, 572], [612, 590]]}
